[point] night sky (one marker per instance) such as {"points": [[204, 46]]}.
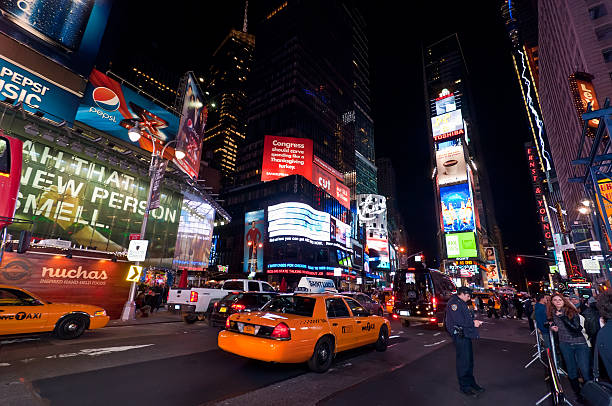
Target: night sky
{"points": [[183, 38]]}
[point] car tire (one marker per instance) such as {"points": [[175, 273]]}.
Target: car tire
{"points": [[405, 323], [323, 355], [71, 326], [190, 318], [383, 339]]}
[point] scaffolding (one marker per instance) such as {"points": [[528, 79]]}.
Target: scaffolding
{"points": [[595, 157]]}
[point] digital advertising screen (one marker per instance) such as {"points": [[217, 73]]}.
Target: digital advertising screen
{"points": [[73, 198], [113, 108], [340, 232], [194, 238], [378, 251], [330, 180], [286, 220], [451, 165], [191, 128], [254, 236], [457, 208], [447, 125], [68, 32], [492, 265], [36, 94], [461, 245], [445, 104], [285, 156]]}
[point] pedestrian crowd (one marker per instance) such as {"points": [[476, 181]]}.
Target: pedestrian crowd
{"points": [[577, 326], [150, 299]]}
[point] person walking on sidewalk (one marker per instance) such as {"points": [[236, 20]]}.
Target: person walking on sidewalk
{"points": [[541, 317], [492, 311], [574, 347], [529, 311], [604, 336], [504, 306], [460, 324], [518, 305]]}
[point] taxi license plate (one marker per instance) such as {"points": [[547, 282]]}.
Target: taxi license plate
{"points": [[177, 307], [249, 329], [404, 313], [222, 309]]}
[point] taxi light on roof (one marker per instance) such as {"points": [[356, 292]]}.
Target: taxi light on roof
{"points": [[193, 297], [281, 331]]}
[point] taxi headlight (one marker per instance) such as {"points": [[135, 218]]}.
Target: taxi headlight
{"points": [[100, 313]]}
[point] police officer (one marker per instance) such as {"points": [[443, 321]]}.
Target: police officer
{"points": [[463, 328]]}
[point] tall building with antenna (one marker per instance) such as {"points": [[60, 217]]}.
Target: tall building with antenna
{"points": [[225, 86]]}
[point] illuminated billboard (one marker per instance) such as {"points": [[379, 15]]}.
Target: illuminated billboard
{"points": [[113, 108], [194, 236], [191, 128], [330, 180], [285, 156], [445, 104], [451, 165], [378, 250], [447, 125], [74, 198], [340, 232], [461, 245], [68, 32], [583, 93], [457, 208], [291, 219], [492, 265], [254, 233], [36, 94]]}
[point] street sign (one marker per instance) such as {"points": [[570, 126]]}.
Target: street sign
{"points": [[553, 268], [135, 236], [137, 251], [134, 273], [156, 172]]}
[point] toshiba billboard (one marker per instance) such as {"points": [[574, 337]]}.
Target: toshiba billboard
{"points": [[285, 156]]}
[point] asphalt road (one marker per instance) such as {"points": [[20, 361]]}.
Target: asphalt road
{"points": [[180, 364]]}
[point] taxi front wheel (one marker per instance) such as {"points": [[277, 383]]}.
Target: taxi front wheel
{"points": [[322, 356], [71, 327]]}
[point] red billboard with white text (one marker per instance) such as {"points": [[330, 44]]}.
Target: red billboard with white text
{"points": [[285, 156], [330, 180]]}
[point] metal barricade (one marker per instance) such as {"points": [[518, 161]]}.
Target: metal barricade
{"points": [[556, 392]]}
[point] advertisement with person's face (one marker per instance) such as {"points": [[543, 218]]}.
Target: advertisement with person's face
{"points": [[254, 229], [191, 128], [457, 208], [451, 165]]}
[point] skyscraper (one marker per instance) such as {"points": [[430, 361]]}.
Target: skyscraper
{"points": [[387, 186], [225, 83], [463, 195], [574, 40], [301, 84]]}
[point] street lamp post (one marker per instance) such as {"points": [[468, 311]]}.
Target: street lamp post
{"points": [[129, 308]]}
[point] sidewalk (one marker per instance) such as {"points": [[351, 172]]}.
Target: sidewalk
{"points": [[161, 316]]}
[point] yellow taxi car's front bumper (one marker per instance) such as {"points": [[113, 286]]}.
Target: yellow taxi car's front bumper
{"points": [[264, 349], [98, 322]]}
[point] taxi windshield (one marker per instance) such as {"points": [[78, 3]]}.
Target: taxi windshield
{"points": [[298, 305]]}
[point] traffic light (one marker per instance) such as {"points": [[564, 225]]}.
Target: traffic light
{"points": [[519, 260]]}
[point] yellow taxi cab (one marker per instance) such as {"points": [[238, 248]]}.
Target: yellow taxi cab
{"points": [[23, 312], [304, 327]]}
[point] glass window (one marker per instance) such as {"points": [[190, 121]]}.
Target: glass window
{"points": [[14, 297], [233, 285], [298, 305], [248, 300], [607, 55], [266, 287], [597, 11], [323, 255], [5, 158], [263, 299], [336, 308], [357, 308], [253, 286]]}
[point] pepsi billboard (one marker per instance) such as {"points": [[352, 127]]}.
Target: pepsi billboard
{"points": [[113, 108], [36, 94], [66, 31]]}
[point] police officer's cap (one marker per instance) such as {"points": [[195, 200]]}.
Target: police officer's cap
{"points": [[464, 289]]}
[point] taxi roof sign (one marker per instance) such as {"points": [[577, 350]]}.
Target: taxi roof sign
{"points": [[316, 285]]}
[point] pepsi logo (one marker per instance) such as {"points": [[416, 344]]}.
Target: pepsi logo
{"points": [[106, 99]]}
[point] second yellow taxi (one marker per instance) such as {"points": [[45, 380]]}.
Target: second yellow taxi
{"points": [[309, 327]]}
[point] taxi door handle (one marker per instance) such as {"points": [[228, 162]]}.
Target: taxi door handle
{"points": [[358, 321], [334, 324]]}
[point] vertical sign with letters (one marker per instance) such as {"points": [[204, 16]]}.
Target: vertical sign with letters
{"points": [[536, 181]]}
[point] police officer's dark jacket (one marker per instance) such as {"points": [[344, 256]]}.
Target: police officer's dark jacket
{"points": [[458, 314]]}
